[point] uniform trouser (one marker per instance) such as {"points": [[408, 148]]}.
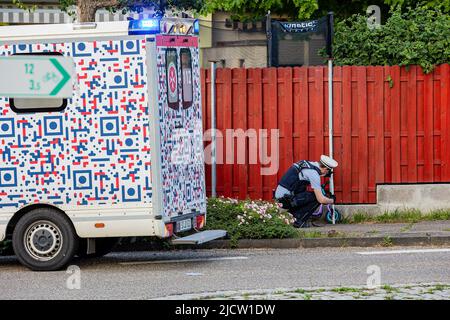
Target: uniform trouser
{"points": [[305, 204]]}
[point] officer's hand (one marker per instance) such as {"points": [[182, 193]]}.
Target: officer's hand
{"points": [[332, 196]]}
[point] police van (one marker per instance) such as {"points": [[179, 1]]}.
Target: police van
{"points": [[121, 157]]}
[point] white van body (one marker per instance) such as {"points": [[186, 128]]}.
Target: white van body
{"points": [[124, 155]]}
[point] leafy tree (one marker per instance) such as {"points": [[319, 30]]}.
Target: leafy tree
{"points": [[443, 5], [87, 8], [416, 36], [343, 9], [246, 9], [305, 9], [251, 9]]}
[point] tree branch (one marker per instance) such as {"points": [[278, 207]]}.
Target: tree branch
{"points": [[88, 8]]}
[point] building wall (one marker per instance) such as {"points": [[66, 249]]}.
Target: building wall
{"points": [[236, 57], [232, 45]]}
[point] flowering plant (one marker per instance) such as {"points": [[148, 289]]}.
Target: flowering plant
{"points": [[263, 211], [250, 219]]}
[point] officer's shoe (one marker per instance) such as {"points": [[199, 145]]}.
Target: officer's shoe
{"points": [[301, 224]]}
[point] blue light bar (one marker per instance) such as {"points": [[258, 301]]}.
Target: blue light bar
{"points": [[196, 27], [147, 26]]}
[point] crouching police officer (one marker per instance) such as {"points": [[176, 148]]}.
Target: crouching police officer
{"points": [[294, 189]]}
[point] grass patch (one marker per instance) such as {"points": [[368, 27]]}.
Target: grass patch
{"points": [[389, 289], [387, 242], [359, 217], [300, 291], [346, 289], [410, 216], [307, 296], [318, 234], [408, 227], [279, 292], [440, 287], [320, 290], [336, 234], [399, 216], [311, 234], [364, 294]]}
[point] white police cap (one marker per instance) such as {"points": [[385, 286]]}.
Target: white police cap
{"points": [[328, 162]]}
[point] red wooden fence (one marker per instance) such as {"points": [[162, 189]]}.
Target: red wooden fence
{"points": [[391, 125]]}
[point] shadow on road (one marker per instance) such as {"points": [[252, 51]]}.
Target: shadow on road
{"points": [[155, 260]]}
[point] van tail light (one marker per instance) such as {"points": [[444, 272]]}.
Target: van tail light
{"points": [[199, 221], [169, 230]]}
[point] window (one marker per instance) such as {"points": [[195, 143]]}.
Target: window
{"points": [[172, 78], [31, 105], [186, 71]]}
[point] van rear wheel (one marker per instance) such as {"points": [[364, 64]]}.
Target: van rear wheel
{"points": [[44, 240]]}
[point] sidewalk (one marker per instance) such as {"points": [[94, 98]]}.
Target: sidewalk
{"points": [[427, 233], [425, 228]]}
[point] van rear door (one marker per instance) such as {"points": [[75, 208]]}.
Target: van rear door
{"points": [[182, 173]]}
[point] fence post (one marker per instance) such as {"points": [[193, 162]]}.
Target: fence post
{"points": [[330, 122], [213, 129], [330, 31], [269, 39]]}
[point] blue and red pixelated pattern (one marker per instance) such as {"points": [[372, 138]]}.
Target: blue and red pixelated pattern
{"points": [[96, 151]]}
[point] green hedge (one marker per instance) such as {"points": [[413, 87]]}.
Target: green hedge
{"points": [[418, 36], [249, 219]]}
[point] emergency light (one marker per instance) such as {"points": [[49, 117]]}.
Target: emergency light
{"points": [[147, 26], [196, 27]]}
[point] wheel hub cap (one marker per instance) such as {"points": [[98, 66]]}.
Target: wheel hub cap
{"points": [[43, 240]]}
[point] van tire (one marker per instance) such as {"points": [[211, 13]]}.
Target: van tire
{"points": [[103, 246], [44, 239]]}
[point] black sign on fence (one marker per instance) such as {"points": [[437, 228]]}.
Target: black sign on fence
{"points": [[297, 43]]}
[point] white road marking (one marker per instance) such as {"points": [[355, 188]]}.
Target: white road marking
{"points": [[183, 260], [403, 251], [194, 274]]}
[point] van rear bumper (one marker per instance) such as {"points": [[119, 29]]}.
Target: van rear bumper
{"points": [[201, 237]]}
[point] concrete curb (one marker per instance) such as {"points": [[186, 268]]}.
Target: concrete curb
{"points": [[386, 241]]}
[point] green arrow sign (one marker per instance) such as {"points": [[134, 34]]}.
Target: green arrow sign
{"points": [[28, 76]]}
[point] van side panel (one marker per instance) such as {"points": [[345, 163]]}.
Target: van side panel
{"points": [[94, 153], [182, 163]]}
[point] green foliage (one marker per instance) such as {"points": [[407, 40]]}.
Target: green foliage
{"points": [[419, 36], [245, 9], [439, 4], [249, 219], [343, 9], [306, 9], [399, 216], [387, 242], [20, 5], [125, 5], [250, 9]]}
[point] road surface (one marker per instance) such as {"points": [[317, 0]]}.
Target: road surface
{"points": [[150, 275]]}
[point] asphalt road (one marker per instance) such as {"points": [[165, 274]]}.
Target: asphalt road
{"points": [[147, 275]]}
